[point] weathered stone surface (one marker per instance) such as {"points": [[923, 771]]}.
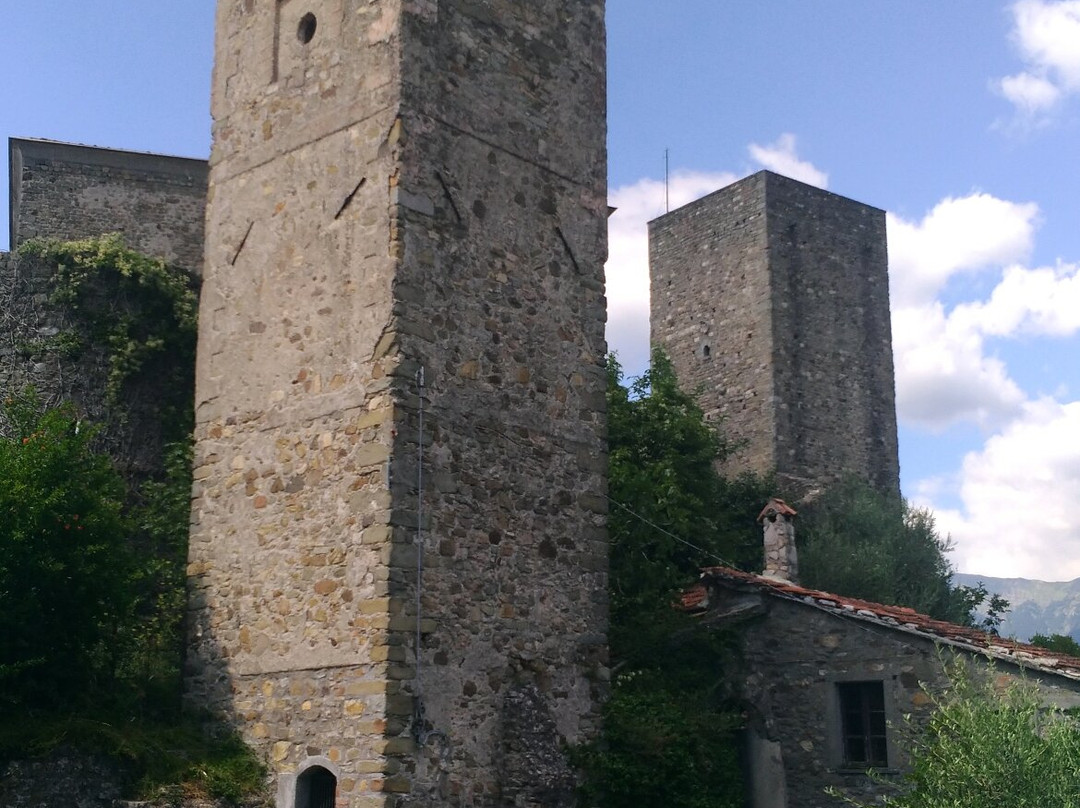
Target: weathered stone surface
{"points": [[67, 191], [64, 779], [786, 671], [408, 213], [533, 768], [772, 298], [69, 778]]}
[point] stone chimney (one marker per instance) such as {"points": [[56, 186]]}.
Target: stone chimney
{"points": [[781, 558]]}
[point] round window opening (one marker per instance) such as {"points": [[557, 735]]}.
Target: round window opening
{"points": [[305, 32]]}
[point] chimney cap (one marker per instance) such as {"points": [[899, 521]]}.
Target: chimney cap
{"points": [[775, 507]]}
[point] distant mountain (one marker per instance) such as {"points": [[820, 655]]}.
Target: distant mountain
{"points": [[1036, 607]]}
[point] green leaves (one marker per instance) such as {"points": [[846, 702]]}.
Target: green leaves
{"points": [[65, 570], [142, 312], [989, 745], [862, 544], [672, 512], [669, 732]]}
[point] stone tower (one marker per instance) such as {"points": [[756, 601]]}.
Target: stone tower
{"points": [[772, 298], [398, 554]]}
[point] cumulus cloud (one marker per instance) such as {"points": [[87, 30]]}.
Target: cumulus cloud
{"points": [[1019, 495], [1045, 33], [782, 158], [1017, 492], [961, 234], [944, 375], [1030, 94], [628, 256], [1042, 302]]}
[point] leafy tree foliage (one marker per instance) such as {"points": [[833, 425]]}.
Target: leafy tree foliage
{"points": [[857, 542], [672, 513], [985, 747], [66, 595], [668, 732], [91, 588], [1059, 643]]}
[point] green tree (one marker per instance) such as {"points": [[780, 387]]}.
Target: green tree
{"points": [[1059, 643], [672, 513], [669, 732], [986, 747], [66, 597], [857, 542]]}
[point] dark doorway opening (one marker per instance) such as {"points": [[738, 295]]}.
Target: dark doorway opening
{"points": [[316, 788]]}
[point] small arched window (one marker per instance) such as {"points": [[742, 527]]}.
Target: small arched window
{"points": [[316, 788]]}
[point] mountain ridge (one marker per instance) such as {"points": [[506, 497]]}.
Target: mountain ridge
{"points": [[1035, 607]]}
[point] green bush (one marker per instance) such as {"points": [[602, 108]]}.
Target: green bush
{"points": [[66, 571], [987, 747]]}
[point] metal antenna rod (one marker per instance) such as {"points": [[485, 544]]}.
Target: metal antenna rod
{"points": [[667, 182]]}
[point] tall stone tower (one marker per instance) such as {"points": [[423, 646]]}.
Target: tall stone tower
{"points": [[398, 554], [772, 298]]}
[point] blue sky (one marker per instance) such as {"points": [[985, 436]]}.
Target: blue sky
{"points": [[961, 119]]}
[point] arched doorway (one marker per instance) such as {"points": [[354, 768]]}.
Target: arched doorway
{"points": [[316, 788]]}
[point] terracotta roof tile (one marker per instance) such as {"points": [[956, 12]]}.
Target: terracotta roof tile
{"points": [[900, 618]]}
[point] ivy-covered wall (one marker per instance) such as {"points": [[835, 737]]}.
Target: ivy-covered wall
{"points": [[108, 329]]}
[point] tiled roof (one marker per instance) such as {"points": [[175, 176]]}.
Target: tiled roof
{"points": [[897, 618]]}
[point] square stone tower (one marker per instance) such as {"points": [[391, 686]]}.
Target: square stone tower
{"points": [[398, 553], [772, 298]]}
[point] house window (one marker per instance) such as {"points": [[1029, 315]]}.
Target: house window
{"points": [[863, 725]]}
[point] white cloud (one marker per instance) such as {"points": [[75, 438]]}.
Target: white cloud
{"points": [[627, 268], [1042, 301], [1030, 94], [1019, 495], [943, 373], [782, 158], [1046, 33], [964, 234], [944, 377]]}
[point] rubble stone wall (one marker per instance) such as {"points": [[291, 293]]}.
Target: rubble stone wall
{"points": [[791, 660], [772, 297], [67, 191], [401, 338]]}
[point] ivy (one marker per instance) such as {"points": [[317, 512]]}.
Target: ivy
{"points": [[137, 309]]}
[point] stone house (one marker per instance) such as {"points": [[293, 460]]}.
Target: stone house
{"points": [[826, 680]]}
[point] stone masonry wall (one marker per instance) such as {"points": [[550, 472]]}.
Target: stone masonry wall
{"points": [[836, 398], [407, 222], [712, 312], [67, 191], [771, 296], [791, 660]]}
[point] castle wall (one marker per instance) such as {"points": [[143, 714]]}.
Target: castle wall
{"points": [[712, 311], [771, 296], [406, 223], [67, 191]]}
